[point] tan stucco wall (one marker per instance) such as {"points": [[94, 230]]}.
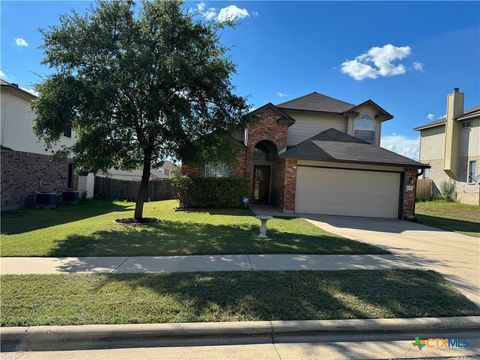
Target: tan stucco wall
{"points": [[470, 139], [16, 125], [432, 143]]}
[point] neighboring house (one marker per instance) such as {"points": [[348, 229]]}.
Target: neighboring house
{"points": [[26, 165], [316, 154], [164, 171], [451, 145]]}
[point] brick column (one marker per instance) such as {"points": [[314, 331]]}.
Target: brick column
{"points": [[409, 189], [290, 181]]}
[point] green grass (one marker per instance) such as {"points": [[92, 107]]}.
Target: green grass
{"points": [[29, 300], [89, 230], [453, 216]]}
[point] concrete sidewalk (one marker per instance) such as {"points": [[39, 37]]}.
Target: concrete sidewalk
{"points": [[158, 264]]}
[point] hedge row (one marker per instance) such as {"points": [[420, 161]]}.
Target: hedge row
{"points": [[210, 192]]}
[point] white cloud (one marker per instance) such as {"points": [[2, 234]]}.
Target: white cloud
{"points": [[418, 66], [2, 75], [210, 13], [201, 6], [430, 116], [232, 13], [378, 61], [282, 94], [401, 145], [358, 70], [21, 42]]}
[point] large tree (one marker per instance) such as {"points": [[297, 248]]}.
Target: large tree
{"points": [[138, 84]]}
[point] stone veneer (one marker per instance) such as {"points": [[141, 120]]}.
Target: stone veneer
{"points": [[25, 173], [466, 192]]}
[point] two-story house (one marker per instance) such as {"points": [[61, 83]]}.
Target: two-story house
{"points": [[27, 166], [451, 145], [317, 154]]}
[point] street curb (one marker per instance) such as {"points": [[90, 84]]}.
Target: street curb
{"points": [[48, 337]]}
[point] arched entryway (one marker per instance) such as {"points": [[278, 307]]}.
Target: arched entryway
{"points": [[265, 154]]}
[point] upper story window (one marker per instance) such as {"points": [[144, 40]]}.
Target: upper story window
{"points": [[216, 170], [364, 128], [466, 124]]}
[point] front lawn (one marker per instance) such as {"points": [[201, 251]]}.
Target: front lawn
{"points": [[29, 300], [453, 216], [89, 230]]}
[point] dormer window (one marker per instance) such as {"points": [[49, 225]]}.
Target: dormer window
{"points": [[364, 128]]}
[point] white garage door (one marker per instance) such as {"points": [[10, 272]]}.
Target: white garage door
{"points": [[347, 192]]}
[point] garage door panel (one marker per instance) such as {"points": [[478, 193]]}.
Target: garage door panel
{"points": [[347, 192]]}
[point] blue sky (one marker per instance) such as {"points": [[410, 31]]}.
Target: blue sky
{"points": [[405, 56]]}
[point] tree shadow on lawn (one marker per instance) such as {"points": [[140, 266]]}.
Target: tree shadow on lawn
{"points": [[300, 295], [450, 224], [24, 220], [179, 238]]}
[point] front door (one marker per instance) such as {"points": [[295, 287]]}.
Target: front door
{"points": [[261, 183]]}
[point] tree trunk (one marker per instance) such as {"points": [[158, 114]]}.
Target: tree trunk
{"points": [[143, 186]]}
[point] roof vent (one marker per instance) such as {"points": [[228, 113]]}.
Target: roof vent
{"points": [[456, 90]]}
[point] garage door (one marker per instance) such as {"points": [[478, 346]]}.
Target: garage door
{"points": [[347, 192]]}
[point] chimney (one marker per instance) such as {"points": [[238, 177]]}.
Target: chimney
{"points": [[452, 132]]}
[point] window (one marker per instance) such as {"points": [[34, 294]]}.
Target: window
{"points": [[472, 171], [216, 170], [67, 130], [426, 174], [466, 124], [364, 128]]}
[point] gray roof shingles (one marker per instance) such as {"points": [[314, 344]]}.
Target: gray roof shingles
{"points": [[316, 102], [335, 146]]}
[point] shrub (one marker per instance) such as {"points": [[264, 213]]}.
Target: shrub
{"points": [[200, 192], [447, 191]]}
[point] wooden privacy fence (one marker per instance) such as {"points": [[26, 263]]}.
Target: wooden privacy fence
{"points": [[108, 188], [424, 189]]}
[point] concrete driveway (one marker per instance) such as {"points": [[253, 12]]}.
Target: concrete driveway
{"points": [[455, 256]]}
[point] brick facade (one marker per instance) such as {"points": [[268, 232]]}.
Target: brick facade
{"points": [[25, 173], [265, 126], [409, 183]]}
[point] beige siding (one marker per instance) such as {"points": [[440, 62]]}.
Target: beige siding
{"points": [[347, 192], [17, 120], [308, 124]]}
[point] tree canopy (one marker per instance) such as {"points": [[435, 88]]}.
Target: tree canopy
{"points": [[138, 84]]}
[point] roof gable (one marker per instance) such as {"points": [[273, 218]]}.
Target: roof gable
{"points": [[316, 102], [283, 116], [336, 146]]}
